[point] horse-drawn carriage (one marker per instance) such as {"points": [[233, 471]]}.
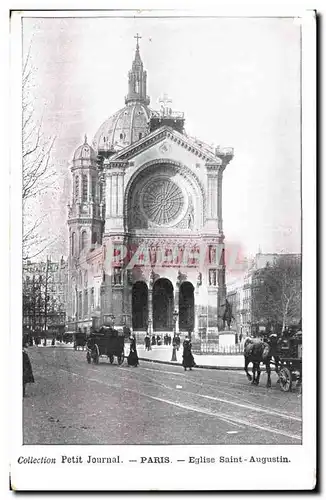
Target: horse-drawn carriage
{"points": [[284, 353], [80, 340], [290, 361], [105, 342]]}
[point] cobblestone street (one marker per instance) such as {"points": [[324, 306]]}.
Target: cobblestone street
{"points": [[72, 402]]}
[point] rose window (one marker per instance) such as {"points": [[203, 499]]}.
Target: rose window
{"points": [[162, 201]]}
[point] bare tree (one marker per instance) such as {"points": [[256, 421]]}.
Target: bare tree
{"points": [[276, 292], [38, 172]]}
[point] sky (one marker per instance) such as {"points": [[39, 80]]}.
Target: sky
{"points": [[236, 79]]}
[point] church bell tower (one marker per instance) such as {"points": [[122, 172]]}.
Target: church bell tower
{"points": [[137, 80]]}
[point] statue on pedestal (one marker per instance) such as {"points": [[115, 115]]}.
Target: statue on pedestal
{"points": [[227, 316]]}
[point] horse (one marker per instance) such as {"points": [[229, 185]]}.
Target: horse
{"points": [[256, 351]]}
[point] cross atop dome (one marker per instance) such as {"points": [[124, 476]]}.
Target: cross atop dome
{"points": [[138, 37], [164, 101]]}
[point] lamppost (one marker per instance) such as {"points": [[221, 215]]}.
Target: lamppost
{"points": [[112, 318], [174, 344]]}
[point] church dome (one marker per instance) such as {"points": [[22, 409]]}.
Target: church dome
{"points": [[126, 126], [130, 123], [85, 152]]}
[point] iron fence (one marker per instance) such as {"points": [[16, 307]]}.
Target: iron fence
{"points": [[215, 348]]}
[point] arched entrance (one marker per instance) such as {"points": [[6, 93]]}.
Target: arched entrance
{"points": [[186, 307], [163, 305], [139, 305]]}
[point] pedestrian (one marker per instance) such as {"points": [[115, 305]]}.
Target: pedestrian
{"points": [[177, 341], [153, 340], [28, 377], [187, 357], [133, 356], [147, 342]]}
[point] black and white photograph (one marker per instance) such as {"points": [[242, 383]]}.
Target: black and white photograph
{"points": [[166, 318]]}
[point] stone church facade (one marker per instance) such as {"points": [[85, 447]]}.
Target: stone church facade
{"points": [[146, 242]]}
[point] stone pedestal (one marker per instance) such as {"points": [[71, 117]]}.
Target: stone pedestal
{"points": [[227, 338]]}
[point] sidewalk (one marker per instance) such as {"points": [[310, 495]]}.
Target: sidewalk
{"points": [[163, 354]]}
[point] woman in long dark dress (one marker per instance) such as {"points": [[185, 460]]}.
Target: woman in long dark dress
{"points": [[133, 356], [28, 377], [187, 357]]}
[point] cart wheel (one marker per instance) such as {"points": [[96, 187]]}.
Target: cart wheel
{"points": [[285, 378], [111, 359], [88, 357], [121, 359]]}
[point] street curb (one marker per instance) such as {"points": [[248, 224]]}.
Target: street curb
{"points": [[208, 367]]}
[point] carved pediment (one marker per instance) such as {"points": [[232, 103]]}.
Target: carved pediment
{"points": [[166, 136]]}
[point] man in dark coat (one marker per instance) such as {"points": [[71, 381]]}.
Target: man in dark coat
{"points": [[187, 357], [133, 356], [147, 342], [28, 377]]}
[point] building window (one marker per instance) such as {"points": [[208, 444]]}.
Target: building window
{"points": [[83, 240], [80, 305], [92, 298], [73, 244], [85, 303], [85, 187], [93, 188], [212, 277], [140, 135], [76, 188]]}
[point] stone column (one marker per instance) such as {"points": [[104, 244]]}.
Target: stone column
{"points": [[212, 212], [150, 311], [80, 181], [115, 197], [219, 201], [150, 302], [176, 303]]}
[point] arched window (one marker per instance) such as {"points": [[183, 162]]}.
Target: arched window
{"points": [[80, 305], [93, 188], [85, 303], [73, 244], [83, 240], [94, 237], [85, 187], [76, 188]]}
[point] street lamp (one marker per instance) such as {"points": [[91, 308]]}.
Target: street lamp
{"points": [[175, 319], [174, 344], [109, 319]]}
